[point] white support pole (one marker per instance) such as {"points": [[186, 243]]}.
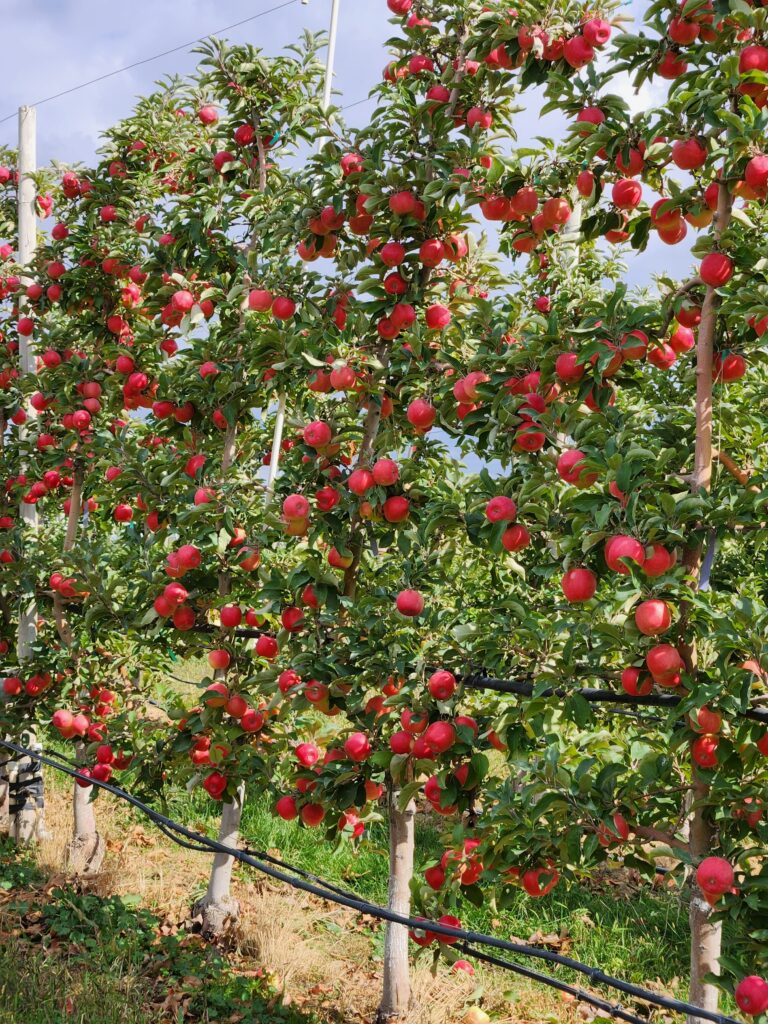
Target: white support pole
{"points": [[277, 440], [333, 33], [27, 821], [277, 435], [26, 251]]}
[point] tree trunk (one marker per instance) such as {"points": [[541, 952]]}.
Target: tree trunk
{"points": [[396, 996], [706, 935], [85, 852], [5, 811], [218, 909]]}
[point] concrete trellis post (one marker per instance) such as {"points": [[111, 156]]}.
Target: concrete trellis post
{"points": [[25, 776]]}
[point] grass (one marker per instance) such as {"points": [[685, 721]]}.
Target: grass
{"points": [[637, 933], [327, 960], [634, 932], [71, 956]]}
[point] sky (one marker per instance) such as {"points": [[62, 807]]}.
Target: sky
{"points": [[52, 45]]}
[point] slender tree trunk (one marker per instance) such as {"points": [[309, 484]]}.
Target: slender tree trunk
{"points": [[706, 935], [85, 851], [5, 811], [218, 908], [396, 995]]}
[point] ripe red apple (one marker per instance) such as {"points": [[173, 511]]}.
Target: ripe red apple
{"points": [[230, 616], [751, 995], [627, 193], [215, 784], [312, 814], [360, 481], [421, 414], [540, 881], [500, 509], [236, 706], [267, 647], [317, 434], [283, 308], [357, 747], [652, 617], [579, 585], [437, 317], [515, 538], [568, 368], [401, 742], [571, 467], [714, 875], [286, 808], [440, 736], [688, 154], [664, 663], [385, 472], [633, 684], [410, 603], [442, 684], [716, 269], [295, 506], [706, 721], [623, 547], [413, 723], [704, 751], [338, 560], [219, 659]]}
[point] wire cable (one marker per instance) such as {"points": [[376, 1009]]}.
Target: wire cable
{"points": [[157, 56], [526, 689], [615, 1010], [383, 913]]}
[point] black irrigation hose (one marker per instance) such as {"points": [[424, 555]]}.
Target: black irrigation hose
{"points": [[383, 913], [525, 689], [615, 1010]]}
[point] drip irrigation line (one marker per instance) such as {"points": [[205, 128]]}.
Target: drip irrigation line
{"points": [[156, 56], [615, 1010], [361, 906], [594, 696]]}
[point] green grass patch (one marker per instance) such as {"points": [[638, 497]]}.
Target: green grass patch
{"points": [[68, 957], [635, 933]]}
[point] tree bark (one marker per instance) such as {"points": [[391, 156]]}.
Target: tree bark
{"points": [[396, 995], [706, 935], [218, 910], [85, 851]]}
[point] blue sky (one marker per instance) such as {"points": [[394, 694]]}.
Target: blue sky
{"points": [[51, 45]]}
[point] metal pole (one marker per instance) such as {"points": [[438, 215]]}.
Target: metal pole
{"points": [[277, 435]]}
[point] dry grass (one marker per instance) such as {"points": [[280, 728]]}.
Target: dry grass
{"points": [[321, 957]]}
